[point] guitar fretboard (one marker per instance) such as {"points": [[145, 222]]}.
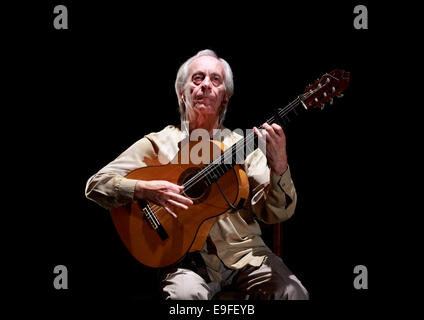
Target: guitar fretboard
{"points": [[238, 152]]}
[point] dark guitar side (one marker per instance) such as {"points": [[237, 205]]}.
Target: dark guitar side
{"points": [[189, 231]]}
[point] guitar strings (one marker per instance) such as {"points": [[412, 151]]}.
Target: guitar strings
{"points": [[219, 160], [239, 145], [210, 167]]}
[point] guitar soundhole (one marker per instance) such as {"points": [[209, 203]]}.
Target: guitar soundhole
{"points": [[197, 190]]}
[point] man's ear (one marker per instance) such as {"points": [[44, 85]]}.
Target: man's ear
{"points": [[225, 101]]}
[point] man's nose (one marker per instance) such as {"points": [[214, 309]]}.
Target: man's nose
{"points": [[206, 82]]}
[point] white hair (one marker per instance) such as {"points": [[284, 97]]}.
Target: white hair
{"points": [[180, 82]]}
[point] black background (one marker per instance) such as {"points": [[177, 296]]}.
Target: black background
{"points": [[107, 81]]}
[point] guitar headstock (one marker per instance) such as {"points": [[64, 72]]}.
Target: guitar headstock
{"points": [[325, 89]]}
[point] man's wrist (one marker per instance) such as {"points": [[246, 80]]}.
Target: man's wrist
{"points": [[279, 171], [139, 189]]}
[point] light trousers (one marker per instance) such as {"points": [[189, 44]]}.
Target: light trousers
{"points": [[272, 280]]}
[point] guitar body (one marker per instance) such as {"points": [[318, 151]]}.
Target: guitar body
{"points": [[189, 231]]}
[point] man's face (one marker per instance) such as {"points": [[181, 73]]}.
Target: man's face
{"points": [[205, 87]]}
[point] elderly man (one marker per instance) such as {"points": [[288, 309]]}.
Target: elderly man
{"points": [[234, 253]]}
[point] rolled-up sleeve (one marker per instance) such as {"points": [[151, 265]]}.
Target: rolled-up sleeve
{"points": [[109, 187]]}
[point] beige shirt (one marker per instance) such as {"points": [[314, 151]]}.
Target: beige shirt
{"points": [[236, 235]]}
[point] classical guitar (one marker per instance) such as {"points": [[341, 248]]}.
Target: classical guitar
{"points": [[157, 239]]}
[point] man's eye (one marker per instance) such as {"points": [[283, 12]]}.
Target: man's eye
{"points": [[216, 80], [197, 79]]}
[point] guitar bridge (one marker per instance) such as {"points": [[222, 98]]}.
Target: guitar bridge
{"points": [[154, 222]]}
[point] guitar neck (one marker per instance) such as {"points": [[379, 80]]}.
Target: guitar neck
{"points": [[248, 144], [285, 115], [238, 152]]}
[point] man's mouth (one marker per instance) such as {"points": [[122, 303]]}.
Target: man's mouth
{"points": [[203, 98]]}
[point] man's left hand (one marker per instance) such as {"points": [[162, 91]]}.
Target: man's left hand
{"points": [[275, 147]]}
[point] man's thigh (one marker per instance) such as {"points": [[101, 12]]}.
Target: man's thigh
{"points": [[272, 280]]}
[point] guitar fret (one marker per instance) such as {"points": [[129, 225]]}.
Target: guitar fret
{"points": [[208, 181], [228, 158]]}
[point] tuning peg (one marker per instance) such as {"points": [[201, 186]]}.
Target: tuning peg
{"points": [[319, 85], [322, 106], [334, 89], [331, 101], [316, 99], [340, 95], [325, 94]]}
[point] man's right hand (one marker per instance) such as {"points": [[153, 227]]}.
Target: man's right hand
{"points": [[162, 193]]}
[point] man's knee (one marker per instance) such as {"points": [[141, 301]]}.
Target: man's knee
{"points": [[296, 291], [184, 284], [283, 288], [196, 292], [283, 283]]}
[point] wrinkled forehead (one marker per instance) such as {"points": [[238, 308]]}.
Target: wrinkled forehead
{"points": [[207, 65]]}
